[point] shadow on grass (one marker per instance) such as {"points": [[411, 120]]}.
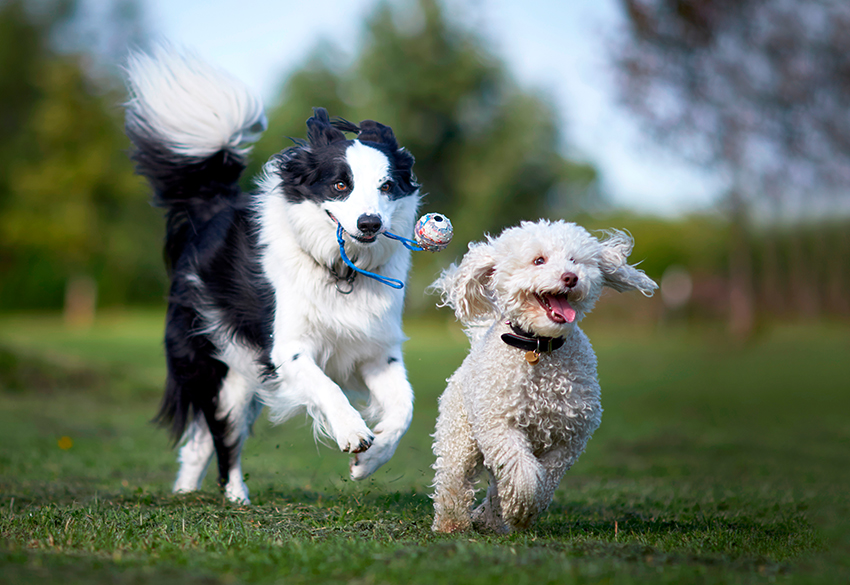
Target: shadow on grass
{"points": [[398, 524]]}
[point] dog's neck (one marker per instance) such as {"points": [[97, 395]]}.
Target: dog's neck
{"points": [[343, 277], [522, 339]]}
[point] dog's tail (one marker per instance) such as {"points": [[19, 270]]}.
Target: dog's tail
{"points": [[190, 123]]}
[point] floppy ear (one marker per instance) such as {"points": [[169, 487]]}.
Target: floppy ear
{"points": [[617, 273], [467, 288]]}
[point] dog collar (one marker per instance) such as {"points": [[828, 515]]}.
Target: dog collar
{"points": [[533, 345]]}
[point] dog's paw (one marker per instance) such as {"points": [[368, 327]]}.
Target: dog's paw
{"points": [[365, 464], [349, 431], [450, 525], [236, 492], [356, 441], [487, 519], [362, 465]]}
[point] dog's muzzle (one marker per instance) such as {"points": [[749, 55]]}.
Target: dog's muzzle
{"points": [[369, 225]]}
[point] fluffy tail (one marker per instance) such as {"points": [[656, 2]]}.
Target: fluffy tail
{"points": [[189, 123]]}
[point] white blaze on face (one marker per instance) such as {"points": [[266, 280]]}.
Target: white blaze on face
{"points": [[370, 169]]}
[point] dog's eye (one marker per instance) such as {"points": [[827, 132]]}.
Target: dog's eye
{"points": [[340, 186], [387, 187], [539, 261]]}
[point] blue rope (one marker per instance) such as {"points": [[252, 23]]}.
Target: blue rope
{"points": [[409, 244]]}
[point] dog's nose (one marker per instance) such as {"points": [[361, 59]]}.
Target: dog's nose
{"points": [[369, 224], [569, 279]]}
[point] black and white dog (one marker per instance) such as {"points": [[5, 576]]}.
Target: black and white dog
{"points": [[262, 310]]}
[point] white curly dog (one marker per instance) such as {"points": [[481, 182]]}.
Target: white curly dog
{"points": [[526, 399]]}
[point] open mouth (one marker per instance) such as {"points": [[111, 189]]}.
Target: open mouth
{"points": [[557, 307]]}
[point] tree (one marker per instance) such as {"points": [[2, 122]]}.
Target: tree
{"points": [[757, 89], [488, 153], [71, 208]]}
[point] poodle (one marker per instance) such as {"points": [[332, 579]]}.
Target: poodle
{"points": [[526, 399]]}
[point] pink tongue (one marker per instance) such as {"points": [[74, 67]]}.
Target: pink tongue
{"points": [[561, 308]]}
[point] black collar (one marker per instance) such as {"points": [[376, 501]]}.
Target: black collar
{"points": [[528, 341]]}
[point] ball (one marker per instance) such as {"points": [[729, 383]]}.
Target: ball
{"points": [[433, 232]]}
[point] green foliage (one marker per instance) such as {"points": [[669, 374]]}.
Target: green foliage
{"points": [[488, 153], [722, 82], [713, 464], [698, 242], [70, 202]]}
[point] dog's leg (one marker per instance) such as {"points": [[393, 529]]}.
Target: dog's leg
{"points": [[194, 381], [301, 383], [238, 406], [195, 456], [519, 475], [391, 405], [237, 411], [458, 463], [555, 464], [488, 515]]}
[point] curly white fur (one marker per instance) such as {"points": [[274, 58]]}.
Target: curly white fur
{"points": [[526, 424]]}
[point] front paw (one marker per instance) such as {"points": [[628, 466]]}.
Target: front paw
{"points": [[358, 444], [450, 525], [345, 426], [365, 464], [355, 438]]}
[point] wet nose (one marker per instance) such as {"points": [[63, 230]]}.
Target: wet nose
{"points": [[569, 279], [369, 224]]}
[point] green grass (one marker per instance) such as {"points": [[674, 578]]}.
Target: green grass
{"points": [[714, 463]]}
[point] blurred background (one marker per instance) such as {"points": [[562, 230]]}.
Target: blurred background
{"points": [[716, 131]]}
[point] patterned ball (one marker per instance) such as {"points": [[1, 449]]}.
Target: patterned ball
{"points": [[433, 232]]}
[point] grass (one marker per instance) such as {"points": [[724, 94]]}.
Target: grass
{"points": [[714, 464]]}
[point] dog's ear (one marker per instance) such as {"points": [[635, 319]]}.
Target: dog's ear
{"points": [[371, 131], [345, 125], [297, 166], [467, 288], [320, 131], [404, 171], [616, 271]]}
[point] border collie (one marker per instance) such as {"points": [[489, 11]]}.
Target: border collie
{"points": [[262, 311]]}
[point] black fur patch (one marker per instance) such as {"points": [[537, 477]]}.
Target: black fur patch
{"points": [[212, 254], [309, 170], [218, 290]]}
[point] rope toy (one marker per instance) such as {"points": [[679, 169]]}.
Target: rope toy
{"points": [[432, 233]]}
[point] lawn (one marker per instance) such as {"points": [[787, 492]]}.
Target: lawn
{"points": [[715, 463]]}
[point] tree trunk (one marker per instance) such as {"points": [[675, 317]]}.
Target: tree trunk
{"points": [[741, 304]]}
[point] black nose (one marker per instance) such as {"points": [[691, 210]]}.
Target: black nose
{"points": [[369, 224], [569, 279]]}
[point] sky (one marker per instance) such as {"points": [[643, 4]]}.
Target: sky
{"points": [[558, 47]]}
